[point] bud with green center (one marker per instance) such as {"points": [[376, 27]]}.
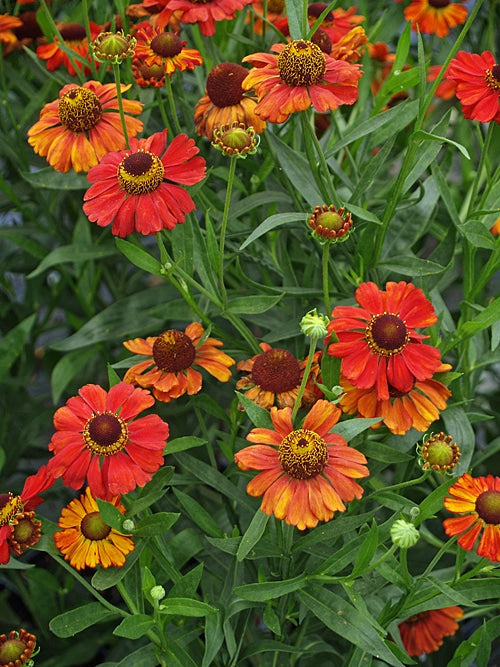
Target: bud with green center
{"points": [[128, 525], [157, 593], [16, 648], [113, 47], [314, 325], [404, 534], [329, 224], [439, 453], [236, 140]]}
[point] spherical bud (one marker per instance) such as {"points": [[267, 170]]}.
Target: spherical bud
{"points": [[157, 593], [329, 224], [113, 47], [236, 140], [128, 525], [439, 453], [314, 325], [404, 534]]}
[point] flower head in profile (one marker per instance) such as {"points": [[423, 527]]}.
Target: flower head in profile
{"points": [[377, 341], [404, 534], [83, 125], [416, 408], [75, 39], [329, 224], [16, 648], [225, 102], [306, 474], [171, 360], [477, 501], [137, 189], [274, 377], [19, 529], [99, 439], [299, 76], [424, 632], [337, 23], [113, 47], [156, 46], [477, 80], [86, 540], [435, 17]]}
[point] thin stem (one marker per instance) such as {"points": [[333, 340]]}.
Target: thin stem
{"points": [[163, 112], [308, 132], [116, 72], [225, 218], [326, 280], [171, 103], [307, 370]]}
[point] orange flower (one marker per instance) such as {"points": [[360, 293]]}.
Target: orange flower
{"points": [[350, 46], [266, 11], [416, 408], [225, 102], [7, 23], [477, 499], [446, 88], [477, 78], [435, 16], [495, 228], [172, 355], [86, 540], [275, 375], [74, 38], [306, 473], [378, 344], [337, 23], [83, 125], [165, 49], [300, 75], [424, 632], [205, 13]]}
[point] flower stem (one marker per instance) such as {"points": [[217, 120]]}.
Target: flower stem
{"points": [[116, 72], [171, 102], [326, 281], [309, 137], [307, 370], [225, 217]]}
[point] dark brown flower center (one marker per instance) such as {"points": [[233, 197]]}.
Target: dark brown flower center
{"points": [[10, 506], [321, 39], [140, 173], [105, 434], [26, 531], [439, 4], [417, 618], [440, 453], [93, 527], [275, 6], [73, 32], [79, 110], [173, 351], [224, 84], [387, 335], [276, 370], [315, 10], [493, 77], [488, 507], [166, 45], [301, 63], [303, 454]]}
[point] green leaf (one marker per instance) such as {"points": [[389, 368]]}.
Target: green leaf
{"points": [[363, 213], [153, 491], [259, 417], [269, 590], [186, 607], [252, 535], [270, 223], [110, 514], [486, 318], [184, 443], [433, 503], [411, 266], [133, 627], [458, 426], [366, 552], [253, 305], [198, 514], [66, 368], [73, 254], [214, 638], [420, 135], [448, 590], [350, 428], [156, 524], [55, 180], [296, 18], [108, 577], [12, 344], [71, 622], [140, 257], [144, 656], [426, 154]]}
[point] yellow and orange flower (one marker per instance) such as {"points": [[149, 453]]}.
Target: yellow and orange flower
{"points": [[337, 23], [74, 38], [299, 76], [205, 13], [7, 23], [416, 408], [86, 540], [306, 473], [435, 17], [274, 377], [225, 102], [169, 370], [477, 500], [165, 49], [424, 632], [83, 125]]}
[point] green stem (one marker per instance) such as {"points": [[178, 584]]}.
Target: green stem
{"points": [[133, 610], [326, 280], [307, 370], [225, 218], [171, 103], [116, 72], [400, 485], [163, 112], [403, 560], [307, 133], [480, 168]]}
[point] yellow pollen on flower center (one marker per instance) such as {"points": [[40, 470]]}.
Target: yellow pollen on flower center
{"points": [[301, 63], [79, 110], [105, 434], [173, 351], [10, 507], [387, 335], [140, 173], [493, 78], [303, 454]]}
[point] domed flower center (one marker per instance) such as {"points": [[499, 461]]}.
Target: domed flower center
{"points": [[275, 6], [315, 10], [73, 32], [10, 506], [166, 45], [224, 84], [322, 39], [173, 351], [303, 454], [79, 110], [93, 527], [417, 618], [493, 77], [105, 434], [140, 173], [488, 507], [439, 4], [276, 370], [440, 453], [301, 63], [387, 335], [26, 530]]}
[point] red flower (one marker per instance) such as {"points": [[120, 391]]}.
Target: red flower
{"points": [[156, 47], [477, 78], [205, 13], [99, 439], [424, 632], [134, 189], [74, 38], [378, 343], [435, 16]]}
